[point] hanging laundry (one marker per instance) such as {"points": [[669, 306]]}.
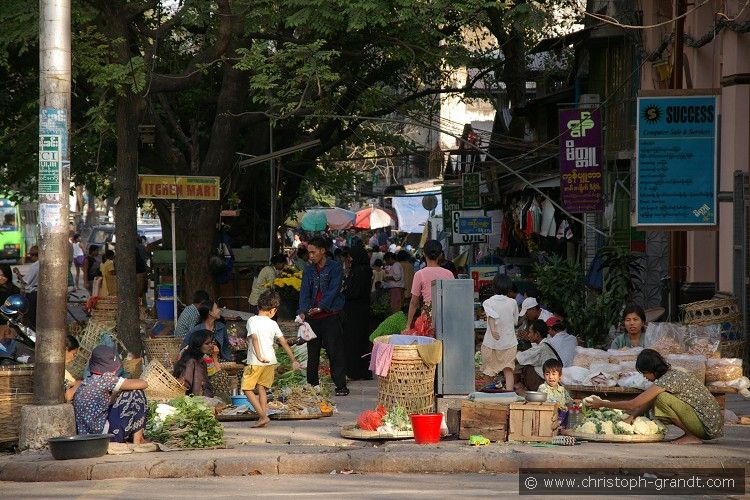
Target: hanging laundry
{"points": [[564, 231], [548, 218]]}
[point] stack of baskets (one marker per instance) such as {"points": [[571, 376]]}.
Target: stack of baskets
{"points": [[16, 390], [165, 350], [88, 339], [105, 310], [723, 311], [410, 382]]}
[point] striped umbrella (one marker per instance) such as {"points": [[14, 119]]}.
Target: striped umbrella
{"points": [[374, 218]]}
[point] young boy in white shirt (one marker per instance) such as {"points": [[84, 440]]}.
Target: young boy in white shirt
{"points": [[500, 344], [261, 356]]}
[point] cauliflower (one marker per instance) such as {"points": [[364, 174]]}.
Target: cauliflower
{"points": [[646, 427], [607, 427], [588, 427], [624, 428]]}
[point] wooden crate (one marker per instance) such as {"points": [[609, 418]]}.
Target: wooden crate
{"points": [[533, 421], [489, 419]]}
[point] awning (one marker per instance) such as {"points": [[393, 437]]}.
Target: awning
{"points": [[562, 41], [548, 181]]}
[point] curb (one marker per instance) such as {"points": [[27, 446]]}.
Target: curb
{"points": [[412, 459]]}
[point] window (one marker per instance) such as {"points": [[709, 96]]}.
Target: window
{"points": [[8, 219]]}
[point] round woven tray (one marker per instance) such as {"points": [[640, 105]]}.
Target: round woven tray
{"points": [[352, 432], [613, 438], [295, 416]]}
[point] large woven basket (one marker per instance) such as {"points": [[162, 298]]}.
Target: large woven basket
{"points": [[10, 415], [105, 309], [162, 385], [16, 379], [224, 384], [410, 382], [165, 350], [88, 339], [708, 312]]}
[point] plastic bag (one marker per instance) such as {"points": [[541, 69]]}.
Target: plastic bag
{"points": [[666, 338], [723, 369], [585, 357], [691, 364], [574, 375], [633, 379], [603, 374], [617, 356], [740, 384], [702, 340]]}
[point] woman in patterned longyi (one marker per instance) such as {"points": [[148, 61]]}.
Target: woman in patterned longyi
{"points": [[124, 419], [676, 397]]}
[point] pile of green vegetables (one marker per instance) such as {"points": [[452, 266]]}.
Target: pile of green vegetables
{"points": [[192, 424]]}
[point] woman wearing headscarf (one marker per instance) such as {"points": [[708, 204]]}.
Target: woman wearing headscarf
{"points": [[356, 291]]}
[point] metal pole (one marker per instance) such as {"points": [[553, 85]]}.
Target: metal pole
{"points": [[54, 203], [174, 265], [272, 176]]}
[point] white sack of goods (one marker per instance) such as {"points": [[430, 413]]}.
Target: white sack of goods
{"points": [[741, 385], [703, 340], [603, 375], [575, 375], [665, 338], [691, 364], [585, 357], [617, 356], [723, 369]]}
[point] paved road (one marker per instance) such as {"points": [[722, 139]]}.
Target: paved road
{"points": [[325, 486]]}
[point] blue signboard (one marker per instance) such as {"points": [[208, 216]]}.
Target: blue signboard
{"points": [[475, 225], [676, 180]]}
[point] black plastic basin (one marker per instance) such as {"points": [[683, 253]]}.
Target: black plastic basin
{"points": [[83, 446]]}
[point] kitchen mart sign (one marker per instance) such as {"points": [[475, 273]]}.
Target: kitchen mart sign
{"points": [[171, 187]]}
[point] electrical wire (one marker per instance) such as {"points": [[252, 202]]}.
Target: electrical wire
{"points": [[614, 22]]}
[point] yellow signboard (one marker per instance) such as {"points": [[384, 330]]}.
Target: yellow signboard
{"points": [[171, 187]]}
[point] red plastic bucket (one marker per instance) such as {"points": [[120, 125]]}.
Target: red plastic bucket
{"points": [[426, 427]]}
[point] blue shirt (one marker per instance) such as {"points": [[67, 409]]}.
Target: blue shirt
{"points": [[328, 281]]}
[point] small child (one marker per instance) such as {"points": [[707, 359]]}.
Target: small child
{"points": [[261, 356], [556, 393], [378, 275], [499, 346]]}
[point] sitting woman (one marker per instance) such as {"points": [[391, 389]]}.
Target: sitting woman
{"points": [[676, 397], [71, 384], [634, 320], [124, 419], [209, 314], [531, 361], [191, 369]]}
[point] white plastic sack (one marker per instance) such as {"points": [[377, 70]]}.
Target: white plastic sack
{"points": [[305, 332], [723, 369], [633, 379], [691, 364], [585, 357], [574, 375]]}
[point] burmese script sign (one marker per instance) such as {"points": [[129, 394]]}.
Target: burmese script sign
{"points": [[170, 187], [581, 160], [676, 161]]}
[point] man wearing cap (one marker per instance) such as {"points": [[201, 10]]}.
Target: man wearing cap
{"points": [[563, 342], [532, 311], [124, 419]]}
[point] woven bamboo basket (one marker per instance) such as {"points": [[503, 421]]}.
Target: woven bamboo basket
{"points": [[410, 383], [133, 367], [708, 312], [10, 414], [16, 379], [162, 385], [224, 383], [732, 348], [88, 339], [165, 350]]}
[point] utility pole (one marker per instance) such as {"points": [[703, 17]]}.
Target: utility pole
{"points": [[49, 416]]}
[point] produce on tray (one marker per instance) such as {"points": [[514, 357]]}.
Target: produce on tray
{"points": [[396, 419], [186, 422], [612, 421], [302, 399]]}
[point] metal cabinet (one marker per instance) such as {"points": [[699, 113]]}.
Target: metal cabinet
{"points": [[453, 319]]}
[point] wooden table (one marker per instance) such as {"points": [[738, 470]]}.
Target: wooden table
{"points": [[623, 393]]}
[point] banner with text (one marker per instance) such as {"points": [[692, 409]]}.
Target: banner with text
{"points": [[170, 187], [676, 161], [580, 160]]}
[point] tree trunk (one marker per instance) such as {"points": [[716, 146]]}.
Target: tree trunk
{"points": [[514, 76], [129, 111]]}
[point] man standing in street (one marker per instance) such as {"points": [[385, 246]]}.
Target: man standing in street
{"points": [[394, 282], [320, 304]]}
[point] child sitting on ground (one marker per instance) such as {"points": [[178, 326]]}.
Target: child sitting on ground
{"points": [[499, 345], [261, 356], [556, 393]]}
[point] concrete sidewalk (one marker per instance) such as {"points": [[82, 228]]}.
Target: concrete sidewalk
{"points": [[313, 447]]}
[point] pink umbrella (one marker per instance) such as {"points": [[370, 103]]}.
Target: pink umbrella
{"points": [[338, 218], [374, 218]]}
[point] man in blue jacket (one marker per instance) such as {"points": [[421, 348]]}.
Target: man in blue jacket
{"points": [[320, 304]]}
